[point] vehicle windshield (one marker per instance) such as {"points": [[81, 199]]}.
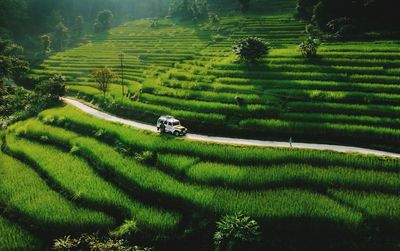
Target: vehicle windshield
{"points": [[176, 123]]}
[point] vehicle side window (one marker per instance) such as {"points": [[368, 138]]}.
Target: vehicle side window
{"points": [[165, 122], [169, 124]]}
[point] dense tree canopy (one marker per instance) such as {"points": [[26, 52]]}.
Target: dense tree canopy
{"points": [[189, 9], [26, 20], [103, 20], [12, 64], [349, 16]]}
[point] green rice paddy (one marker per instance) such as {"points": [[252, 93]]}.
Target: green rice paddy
{"points": [[67, 171], [181, 70], [87, 167]]}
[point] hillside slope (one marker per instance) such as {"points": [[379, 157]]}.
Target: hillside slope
{"points": [[348, 95], [84, 167]]}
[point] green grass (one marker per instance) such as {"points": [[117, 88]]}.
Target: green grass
{"points": [[37, 205], [14, 238], [78, 180], [176, 164], [281, 188], [320, 200], [378, 208], [185, 74], [294, 175], [72, 118], [262, 204]]}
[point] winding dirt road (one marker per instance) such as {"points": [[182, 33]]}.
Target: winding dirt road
{"points": [[234, 141]]}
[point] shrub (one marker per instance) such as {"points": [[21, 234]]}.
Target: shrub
{"points": [[154, 23], [239, 100], [126, 230], [213, 18], [312, 30], [251, 49], [94, 243], [147, 157], [309, 47], [236, 232], [46, 43]]}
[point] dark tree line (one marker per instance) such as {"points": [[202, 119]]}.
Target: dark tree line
{"points": [[16, 102], [53, 24], [346, 17], [194, 10]]}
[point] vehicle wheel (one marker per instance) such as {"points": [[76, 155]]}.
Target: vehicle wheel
{"points": [[176, 133]]}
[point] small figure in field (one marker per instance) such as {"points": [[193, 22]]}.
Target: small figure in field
{"points": [[291, 142]]}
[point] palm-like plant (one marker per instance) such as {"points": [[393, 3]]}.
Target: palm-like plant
{"points": [[309, 47], [236, 232]]}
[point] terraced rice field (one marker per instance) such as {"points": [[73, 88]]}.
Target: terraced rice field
{"points": [[70, 162], [303, 199], [185, 70]]}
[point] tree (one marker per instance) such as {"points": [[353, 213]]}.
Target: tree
{"points": [[309, 47], [12, 63], [79, 25], [103, 77], [321, 15], [305, 9], [180, 8], [236, 232], [103, 20], [194, 10], [52, 89], [61, 35], [46, 43], [213, 18], [244, 5], [251, 49]]}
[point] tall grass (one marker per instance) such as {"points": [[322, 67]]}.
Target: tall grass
{"points": [[262, 204], [341, 119], [23, 191], [74, 119], [382, 211], [293, 175], [176, 164], [78, 180], [14, 238], [368, 135]]}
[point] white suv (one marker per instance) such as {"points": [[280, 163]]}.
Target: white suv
{"points": [[171, 125]]}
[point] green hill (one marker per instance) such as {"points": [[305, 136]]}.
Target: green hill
{"points": [[188, 70], [66, 173]]}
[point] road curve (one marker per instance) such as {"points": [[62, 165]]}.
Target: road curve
{"points": [[234, 141]]}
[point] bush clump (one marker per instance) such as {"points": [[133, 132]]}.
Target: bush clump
{"points": [[251, 49], [309, 47], [94, 242], [147, 157], [236, 232]]}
